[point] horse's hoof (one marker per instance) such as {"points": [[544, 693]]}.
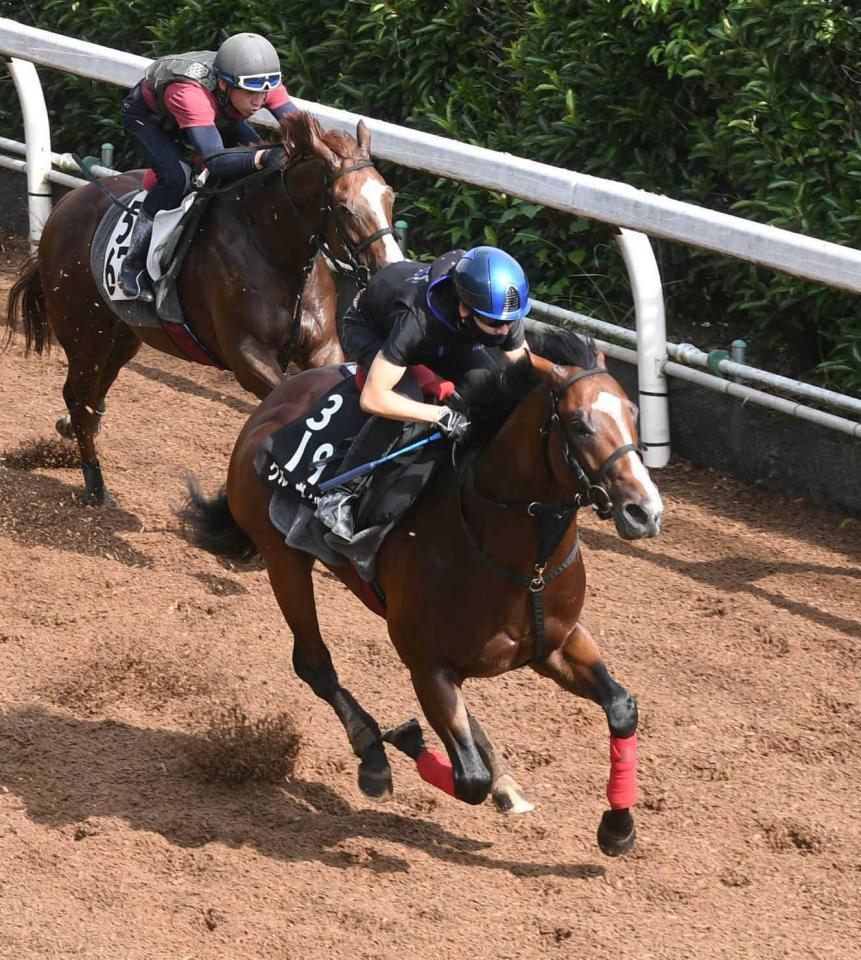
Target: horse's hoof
{"points": [[64, 428], [616, 832], [375, 778], [509, 798], [98, 498]]}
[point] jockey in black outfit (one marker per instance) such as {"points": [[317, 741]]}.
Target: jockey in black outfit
{"points": [[464, 313]]}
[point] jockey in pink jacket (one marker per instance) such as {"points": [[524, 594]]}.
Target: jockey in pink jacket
{"points": [[198, 102]]}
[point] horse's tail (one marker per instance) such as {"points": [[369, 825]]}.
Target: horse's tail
{"points": [[211, 524], [27, 307]]}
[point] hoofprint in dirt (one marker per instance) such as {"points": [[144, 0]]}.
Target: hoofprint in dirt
{"points": [[737, 629]]}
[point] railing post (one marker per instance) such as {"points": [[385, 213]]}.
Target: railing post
{"points": [[37, 136], [651, 345]]}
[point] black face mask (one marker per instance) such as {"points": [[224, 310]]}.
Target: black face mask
{"points": [[477, 335]]}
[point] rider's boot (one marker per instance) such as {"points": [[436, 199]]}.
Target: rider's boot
{"points": [[134, 279], [335, 511]]}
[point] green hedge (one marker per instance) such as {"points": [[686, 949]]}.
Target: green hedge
{"points": [[748, 107]]}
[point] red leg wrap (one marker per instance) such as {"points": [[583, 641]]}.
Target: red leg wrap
{"points": [[436, 770], [622, 785]]}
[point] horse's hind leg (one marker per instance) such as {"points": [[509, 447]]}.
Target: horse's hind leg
{"points": [[124, 347], [93, 366], [577, 666], [290, 576], [506, 792]]}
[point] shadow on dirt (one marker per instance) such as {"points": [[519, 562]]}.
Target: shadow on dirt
{"points": [[39, 510], [772, 513], [738, 573], [68, 772], [189, 387]]}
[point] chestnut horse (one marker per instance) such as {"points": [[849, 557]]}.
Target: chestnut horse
{"points": [[481, 576], [240, 283]]}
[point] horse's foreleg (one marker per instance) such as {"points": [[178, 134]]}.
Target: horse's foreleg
{"points": [[465, 774], [577, 666], [507, 794], [254, 365], [290, 575]]}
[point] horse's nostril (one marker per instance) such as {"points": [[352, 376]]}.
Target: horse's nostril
{"points": [[636, 513]]}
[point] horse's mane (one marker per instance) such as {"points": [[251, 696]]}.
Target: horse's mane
{"points": [[490, 397], [563, 346], [299, 127]]}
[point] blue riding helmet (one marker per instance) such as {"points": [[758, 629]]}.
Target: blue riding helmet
{"points": [[492, 284]]}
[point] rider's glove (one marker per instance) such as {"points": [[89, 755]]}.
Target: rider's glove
{"points": [[272, 157], [453, 424]]}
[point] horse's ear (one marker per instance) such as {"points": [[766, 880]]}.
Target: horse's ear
{"points": [[363, 138], [540, 364], [600, 359]]}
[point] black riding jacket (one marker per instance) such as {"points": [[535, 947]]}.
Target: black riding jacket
{"points": [[412, 309]]}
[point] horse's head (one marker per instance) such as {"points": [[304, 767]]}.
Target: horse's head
{"points": [[357, 200], [593, 440]]}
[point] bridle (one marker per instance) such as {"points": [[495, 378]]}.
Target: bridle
{"points": [[595, 493], [357, 270], [552, 518]]}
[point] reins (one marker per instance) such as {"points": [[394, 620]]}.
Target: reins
{"points": [[357, 271], [552, 518]]}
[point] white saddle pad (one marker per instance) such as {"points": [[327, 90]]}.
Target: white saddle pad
{"points": [[164, 239]]}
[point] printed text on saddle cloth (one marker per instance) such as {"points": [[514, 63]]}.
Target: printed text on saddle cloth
{"points": [[118, 247], [308, 451]]}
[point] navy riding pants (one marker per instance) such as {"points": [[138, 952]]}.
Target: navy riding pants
{"points": [[159, 150]]}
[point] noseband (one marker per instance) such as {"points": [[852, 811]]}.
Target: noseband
{"points": [[595, 492]]}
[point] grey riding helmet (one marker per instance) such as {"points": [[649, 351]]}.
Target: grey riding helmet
{"points": [[248, 61]]}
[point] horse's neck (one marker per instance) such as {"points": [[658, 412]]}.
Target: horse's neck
{"points": [[513, 466], [281, 228]]}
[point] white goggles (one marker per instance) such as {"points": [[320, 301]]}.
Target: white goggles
{"points": [[256, 82]]}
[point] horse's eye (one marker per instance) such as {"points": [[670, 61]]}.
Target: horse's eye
{"points": [[580, 427]]}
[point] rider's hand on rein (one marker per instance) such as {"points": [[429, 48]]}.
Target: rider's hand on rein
{"points": [[453, 424]]}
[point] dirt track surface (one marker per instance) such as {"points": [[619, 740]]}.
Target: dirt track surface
{"points": [[737, 629]]}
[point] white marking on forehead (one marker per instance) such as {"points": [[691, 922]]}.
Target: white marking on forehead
{"points": [[610, 404], [373, 191]]}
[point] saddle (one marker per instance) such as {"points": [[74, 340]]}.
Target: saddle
{"points": [[172, 234], [301, 456]]}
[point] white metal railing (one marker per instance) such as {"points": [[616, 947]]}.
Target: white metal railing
{"points": [[631, 209]]}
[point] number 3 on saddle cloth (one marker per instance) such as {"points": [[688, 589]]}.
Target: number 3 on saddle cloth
{"points": [[296, 459]]}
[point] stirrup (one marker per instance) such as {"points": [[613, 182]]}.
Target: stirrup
{"points": [[335, 511], [136, 283]]}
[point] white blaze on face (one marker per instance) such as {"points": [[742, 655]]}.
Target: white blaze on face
{"points": [[372, 191], [610, 404]]}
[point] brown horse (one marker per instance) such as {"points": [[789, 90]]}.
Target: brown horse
{"points": [[240, 282], [483, 574]]}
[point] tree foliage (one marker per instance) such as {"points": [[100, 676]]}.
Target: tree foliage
{"points": [[747, 106]]}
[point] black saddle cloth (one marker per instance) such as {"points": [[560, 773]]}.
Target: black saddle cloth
{"points": [[296, 459]]}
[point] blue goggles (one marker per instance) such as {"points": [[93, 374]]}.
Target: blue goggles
{"points": [[255, 82]]}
